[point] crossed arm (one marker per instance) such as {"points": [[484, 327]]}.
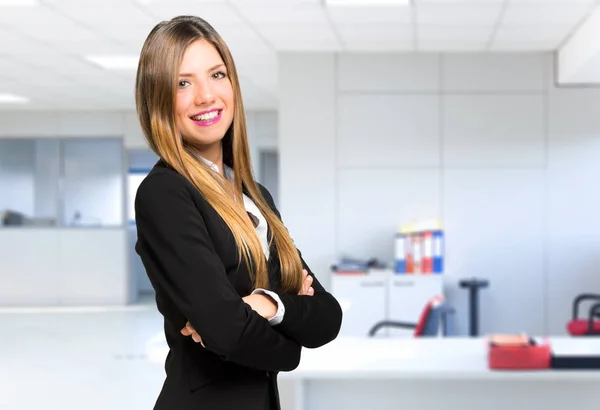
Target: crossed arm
{"points": [[177, 252], [262, 304]]}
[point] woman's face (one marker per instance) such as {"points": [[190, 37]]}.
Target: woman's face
{"points": [[204, 104]]}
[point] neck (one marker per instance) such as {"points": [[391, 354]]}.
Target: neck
{"points": [[213, 154]]}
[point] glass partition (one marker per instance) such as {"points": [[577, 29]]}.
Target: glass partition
{"points": [[62, 182]]}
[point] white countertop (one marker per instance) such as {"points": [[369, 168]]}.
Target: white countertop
{"points": [[425, 358]]}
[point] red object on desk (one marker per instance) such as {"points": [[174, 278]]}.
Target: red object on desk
{"points": [[516, 355]]}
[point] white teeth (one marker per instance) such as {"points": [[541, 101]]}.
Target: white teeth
{"points": [[206, 117]]}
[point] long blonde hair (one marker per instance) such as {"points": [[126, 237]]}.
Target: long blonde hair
{"points": [[156, 81]]}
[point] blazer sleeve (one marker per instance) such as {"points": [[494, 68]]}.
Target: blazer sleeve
{"points": [[312, 321], [176, 249]]}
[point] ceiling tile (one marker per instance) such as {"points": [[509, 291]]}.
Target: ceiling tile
{"points": [[20, 44], [67, 3], [238, 32], [130, 36], [546, 14], [544, 3], [524, 46], [212, 11], [50, 32], [452, 46], [31, 17], [30, 75], [461, 2], [9, 85], [297, 33], [241, 49], [304, 45], [459, 14], [539, 34], [375, 32], [466, 33], [103, 13], [96, 46], [282, 12], [373, 15]]}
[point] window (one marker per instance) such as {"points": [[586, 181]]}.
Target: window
{"points": [[61, 182]]}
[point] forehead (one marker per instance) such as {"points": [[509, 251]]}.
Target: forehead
{"points": [[200, 56]]}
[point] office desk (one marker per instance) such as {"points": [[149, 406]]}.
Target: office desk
{"points": [[423, 374]]}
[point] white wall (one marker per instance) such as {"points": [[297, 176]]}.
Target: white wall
{"points": [[483, 141], [308, 184], [48, 267]]}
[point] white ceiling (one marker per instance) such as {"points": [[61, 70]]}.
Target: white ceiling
{"points": [[43, 47]]}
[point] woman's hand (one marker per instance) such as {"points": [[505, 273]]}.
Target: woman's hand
{"points": [[262, 304], [188, 330], [306, 288]]}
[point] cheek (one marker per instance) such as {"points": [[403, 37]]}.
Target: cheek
{"points": [[182, 103], [226, 92]]}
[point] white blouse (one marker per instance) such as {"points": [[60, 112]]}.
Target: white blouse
{"points": [[261, 229]]}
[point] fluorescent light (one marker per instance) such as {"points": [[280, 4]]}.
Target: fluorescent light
{"points": [[13, 99], [115, 62], [368, 3], [19, 2]]}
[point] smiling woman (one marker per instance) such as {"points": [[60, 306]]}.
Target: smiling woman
{"points": [[238, 300]]}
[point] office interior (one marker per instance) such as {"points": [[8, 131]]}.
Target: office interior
{"points": [[482, 116]]}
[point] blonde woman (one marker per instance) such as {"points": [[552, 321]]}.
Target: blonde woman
{"points": [[238, 301]]}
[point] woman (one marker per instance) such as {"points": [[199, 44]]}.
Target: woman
{"points": [[238, 301]]}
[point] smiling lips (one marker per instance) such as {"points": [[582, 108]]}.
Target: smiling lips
{"points": [[208, 117]]}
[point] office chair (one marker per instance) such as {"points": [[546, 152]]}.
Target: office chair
{"points": [[587, 326], [434, 314]]}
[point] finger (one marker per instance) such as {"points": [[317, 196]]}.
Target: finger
{"points": [[185, 331], [305, 287], [196, 337], [311, 291], [307, 284], [190, 328]]}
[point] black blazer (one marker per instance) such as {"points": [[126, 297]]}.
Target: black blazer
{"points": [[191, 259]]}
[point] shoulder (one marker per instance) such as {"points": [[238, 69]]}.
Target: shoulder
{"points": [[163, 186], [266, 194]]}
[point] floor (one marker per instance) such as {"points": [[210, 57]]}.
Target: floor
{"points": [[87, 358]]}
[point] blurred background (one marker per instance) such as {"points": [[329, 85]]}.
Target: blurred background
{"points": [[414, 148]]}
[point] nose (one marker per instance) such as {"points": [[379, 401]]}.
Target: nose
{"points": [[204, 94]]}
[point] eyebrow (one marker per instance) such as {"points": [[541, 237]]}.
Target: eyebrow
{"points": [[210, 69]]}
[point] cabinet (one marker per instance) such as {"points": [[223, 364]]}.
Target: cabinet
{"points": [[368, 299], [362, 299]]}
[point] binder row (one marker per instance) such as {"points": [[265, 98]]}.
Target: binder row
{"points": [[419, 251]]}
